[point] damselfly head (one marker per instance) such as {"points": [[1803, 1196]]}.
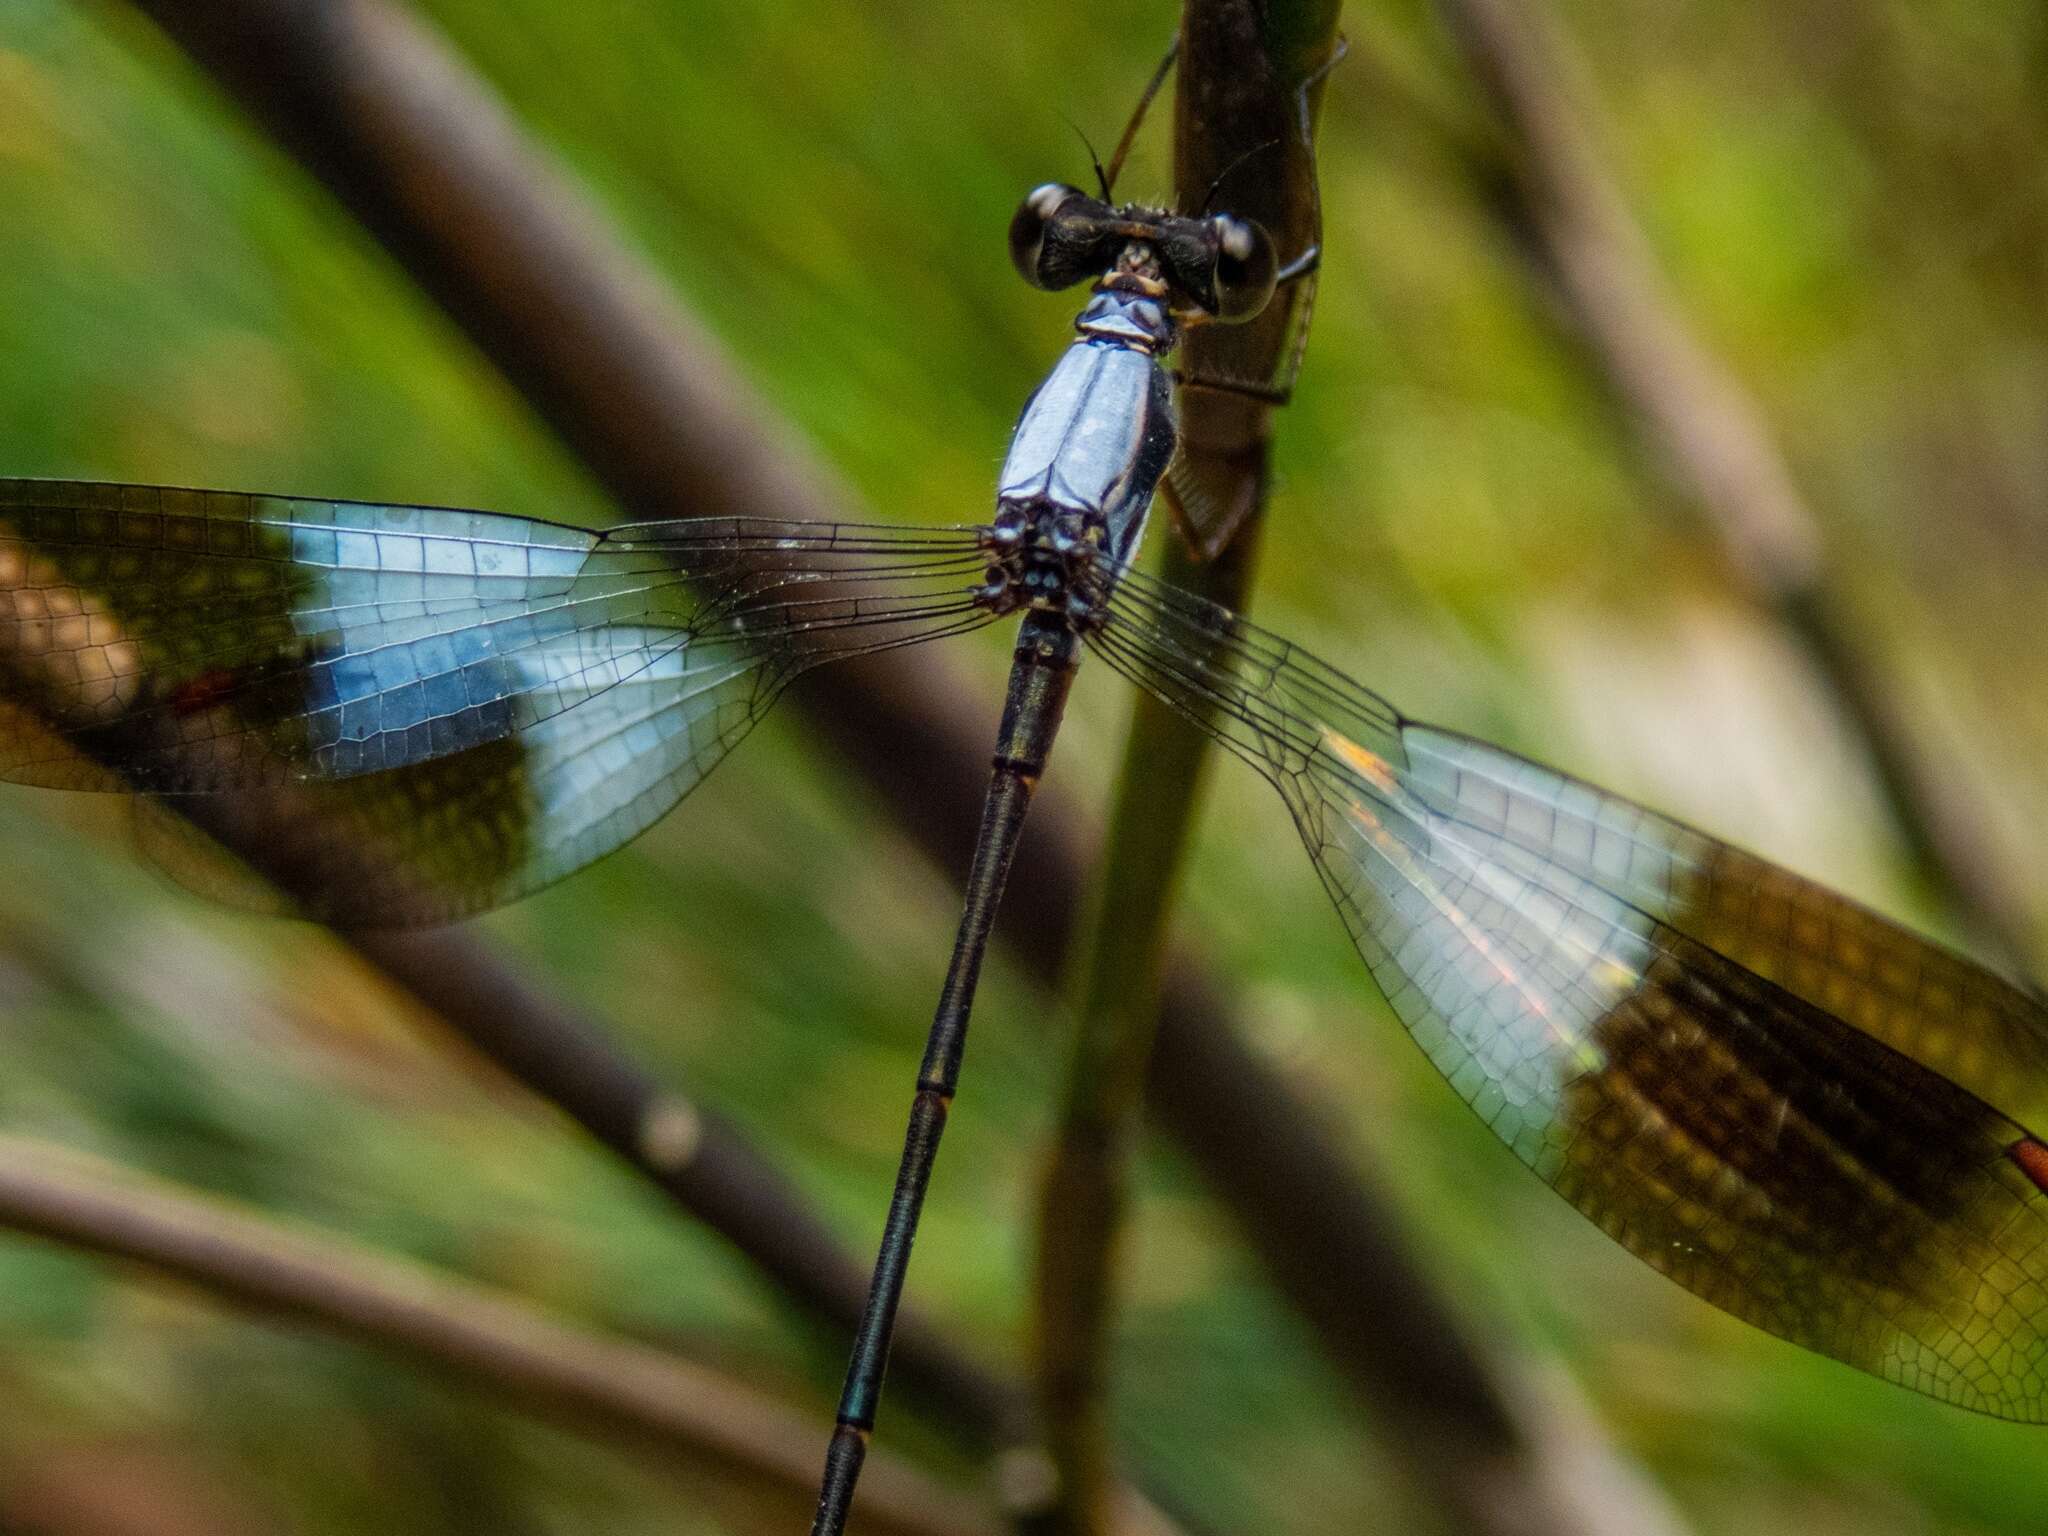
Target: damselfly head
{"points": [[1218, 265]]}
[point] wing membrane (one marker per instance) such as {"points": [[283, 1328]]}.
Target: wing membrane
{"points": [[1797, 1109], [431, 711]]}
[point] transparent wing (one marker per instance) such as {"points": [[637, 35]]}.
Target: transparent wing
{"points": [[418, 712], [1793, 1107]]}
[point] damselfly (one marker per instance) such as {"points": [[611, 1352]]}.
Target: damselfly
{"points": [[1797, 1109]]}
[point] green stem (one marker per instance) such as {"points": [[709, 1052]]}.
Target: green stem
{"points": [[1246, 74], [1084, 1189]]}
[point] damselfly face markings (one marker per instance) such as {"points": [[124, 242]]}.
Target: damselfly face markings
{"points": [[1215, 268]]}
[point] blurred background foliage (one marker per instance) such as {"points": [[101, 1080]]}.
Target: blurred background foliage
{"points": [[1851, 200]]}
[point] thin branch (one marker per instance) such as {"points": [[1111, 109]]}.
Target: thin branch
{"points": [[1473, 1442], [1083, 1193], [1243, 96], [688, 1150], [1695, 411], [483, 1335], [419, 151], [118, 1484]]}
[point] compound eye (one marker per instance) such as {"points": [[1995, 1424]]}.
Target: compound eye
{"points": [[1246, 267], [1035, 215]]}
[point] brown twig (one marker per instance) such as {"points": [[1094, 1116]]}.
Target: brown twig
{"points": [[418, 151], [687, 1149], [122, 1485], [1695, 412], [430, 163], [1083, 1194], [484, 1335]]}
